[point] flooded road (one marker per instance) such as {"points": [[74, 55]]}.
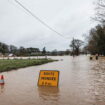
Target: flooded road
{"points": [[82, 82]]}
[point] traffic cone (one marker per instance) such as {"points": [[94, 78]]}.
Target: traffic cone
{"points": [[1, 80]]}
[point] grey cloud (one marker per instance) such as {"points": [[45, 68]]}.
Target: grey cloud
{"points": [[69, 17]]}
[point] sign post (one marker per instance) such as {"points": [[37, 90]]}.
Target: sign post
{"points": [[48, 78]]}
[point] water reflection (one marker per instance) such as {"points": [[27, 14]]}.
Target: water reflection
{"points": [[49, 93], [1, 89]]}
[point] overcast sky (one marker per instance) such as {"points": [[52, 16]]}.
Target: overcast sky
{"points": [[69, 17]]}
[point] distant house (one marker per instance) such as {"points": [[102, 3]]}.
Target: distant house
{"points": [[11, 55]]}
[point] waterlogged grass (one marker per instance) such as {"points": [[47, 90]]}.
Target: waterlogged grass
{"points": [[7, 65]]}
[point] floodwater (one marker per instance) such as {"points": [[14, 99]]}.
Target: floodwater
{"points": [[82, 82]]}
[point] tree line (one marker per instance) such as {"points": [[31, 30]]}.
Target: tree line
{"points": [[96, 37], [12, 50]]}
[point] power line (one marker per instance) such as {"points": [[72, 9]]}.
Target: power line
{"points": [[36, 17]]}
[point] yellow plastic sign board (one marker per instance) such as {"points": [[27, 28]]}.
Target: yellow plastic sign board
{"points": [[48, 78]]}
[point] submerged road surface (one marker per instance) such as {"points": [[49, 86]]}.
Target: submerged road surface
{"points": [[82, 82]]}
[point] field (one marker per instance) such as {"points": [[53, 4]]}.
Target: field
{"points": [[11, 64]]}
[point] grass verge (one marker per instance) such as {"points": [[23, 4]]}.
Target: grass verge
{"points": [[8, 65]]}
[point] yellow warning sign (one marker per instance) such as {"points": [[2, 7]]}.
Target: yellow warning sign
{"points": [[48, 78]]}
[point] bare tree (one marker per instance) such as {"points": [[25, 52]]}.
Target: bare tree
{"points": [[75, 45], [100, 11]]}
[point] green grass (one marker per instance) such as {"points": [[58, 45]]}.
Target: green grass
{"points": [[7, 65]]}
